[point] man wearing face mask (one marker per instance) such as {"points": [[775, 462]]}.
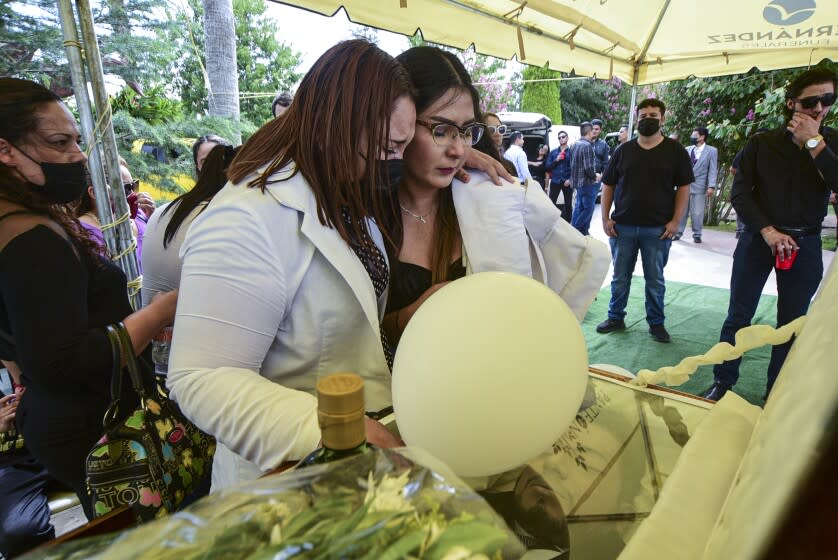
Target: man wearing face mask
{"points": [[705, 162], [648, 180], [780, 192]]}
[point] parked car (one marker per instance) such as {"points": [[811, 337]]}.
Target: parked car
{"points": [[534, 126]]}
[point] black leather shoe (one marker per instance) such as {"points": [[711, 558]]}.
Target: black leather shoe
{"points": [[696, 239], [716, 391], [676, 237], [659, 333], [611, 325]]}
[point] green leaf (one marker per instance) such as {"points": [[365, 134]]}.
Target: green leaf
{"points": [[475, 536], [404, 546]]}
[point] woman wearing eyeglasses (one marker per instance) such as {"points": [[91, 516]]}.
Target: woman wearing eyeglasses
{"points": [[445, 229], [284, 276]]}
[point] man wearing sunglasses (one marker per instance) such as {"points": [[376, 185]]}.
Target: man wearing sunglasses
{"points": [[558, 164], [780, 191]]}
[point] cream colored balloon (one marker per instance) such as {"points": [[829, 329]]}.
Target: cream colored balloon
{"points": [[489, 372]]}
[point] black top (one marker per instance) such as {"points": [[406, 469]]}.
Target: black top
{"points": [[602, 153], [410, 281], [779, 184], [646, 181], [538, 172], [737, 160], [55, 303]]}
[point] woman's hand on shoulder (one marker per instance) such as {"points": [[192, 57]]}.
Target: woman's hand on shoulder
{"points": [[476, 159]]}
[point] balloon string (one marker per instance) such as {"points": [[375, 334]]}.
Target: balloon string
{"points": [[747, 339]]}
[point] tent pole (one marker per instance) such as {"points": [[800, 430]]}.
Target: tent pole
{"points": [[124, 236], [118, 239], [87, 121], [632, 104]]}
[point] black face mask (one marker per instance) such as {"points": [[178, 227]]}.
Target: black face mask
{"points": [[693, 141], [64, 182], [649, 126], [390, 172]]}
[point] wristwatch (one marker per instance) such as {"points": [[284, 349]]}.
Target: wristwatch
{"points": [[813, 142]]}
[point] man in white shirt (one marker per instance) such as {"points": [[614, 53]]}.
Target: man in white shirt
{"points": [[515, 154], [705, 162]]}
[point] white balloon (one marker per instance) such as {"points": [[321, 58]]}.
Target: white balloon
{"points": [[489, 373]]}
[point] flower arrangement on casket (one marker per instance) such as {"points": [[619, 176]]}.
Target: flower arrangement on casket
{"points": [[382, 505]]}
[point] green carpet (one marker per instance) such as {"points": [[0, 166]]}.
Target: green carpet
{"points": [[694, 317]]}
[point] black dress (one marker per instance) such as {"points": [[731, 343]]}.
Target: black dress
{"points": [[538, 172], [410, 281], [54, 302]]}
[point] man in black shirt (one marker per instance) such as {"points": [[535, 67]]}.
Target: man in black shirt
{"points": [[780, 192], [641, 179]]}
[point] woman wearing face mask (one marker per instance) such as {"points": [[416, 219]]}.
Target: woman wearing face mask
{"points": [[443, 231], [57, 292], [284, 274]]}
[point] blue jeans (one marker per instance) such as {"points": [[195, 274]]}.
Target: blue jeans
{"points": [[24, 507], [654, 253], [583, 209], [752, 263]]}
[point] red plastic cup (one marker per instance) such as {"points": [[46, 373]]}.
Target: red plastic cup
{"points": [[786, 263]]}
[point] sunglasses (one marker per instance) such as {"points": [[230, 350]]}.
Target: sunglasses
{"points": [[562, 137], [132, 186], [826, 100], [500, 129]]}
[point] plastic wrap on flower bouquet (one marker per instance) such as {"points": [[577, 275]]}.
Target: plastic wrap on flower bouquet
{"points": [[386, 504]]}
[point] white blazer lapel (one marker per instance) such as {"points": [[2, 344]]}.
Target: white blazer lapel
{"points": [[295, 193]]}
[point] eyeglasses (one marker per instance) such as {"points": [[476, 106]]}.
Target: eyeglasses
{"points": [[132, 186], [811, 102], [562, 137], [500, 129], [445, 134]]}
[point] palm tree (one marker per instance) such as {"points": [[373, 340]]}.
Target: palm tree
{"points": [[220, 44]]}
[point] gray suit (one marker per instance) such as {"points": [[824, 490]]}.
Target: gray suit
{"points": [[705, 169]]}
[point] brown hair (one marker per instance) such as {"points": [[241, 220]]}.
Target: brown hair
{"points": [[20, 101], [350, 90]]}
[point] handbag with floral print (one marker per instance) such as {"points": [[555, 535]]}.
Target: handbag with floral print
{"points": [[151, 459]]}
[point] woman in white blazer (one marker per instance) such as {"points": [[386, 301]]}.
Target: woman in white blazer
{"points": [[282, 273], [445, 229]]}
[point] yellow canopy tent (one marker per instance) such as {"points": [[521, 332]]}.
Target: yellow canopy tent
{"points": [[640, 41]]}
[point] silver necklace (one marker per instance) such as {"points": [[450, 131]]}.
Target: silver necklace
{"points": [[415, 215]]}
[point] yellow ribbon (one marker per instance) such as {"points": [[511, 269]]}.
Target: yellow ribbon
{"points": [[747, 339]]}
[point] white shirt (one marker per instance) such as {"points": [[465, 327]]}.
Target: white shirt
{"points": [[270, 301], [518, 229], [161, 266], [515, 154]]}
